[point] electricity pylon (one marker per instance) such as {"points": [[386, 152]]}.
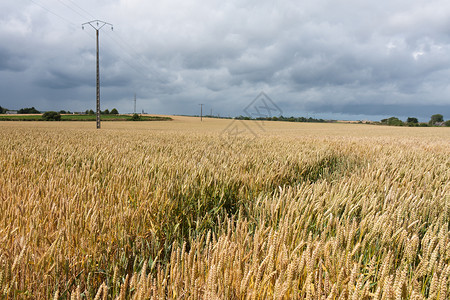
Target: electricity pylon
{"points": [[97, 25], [201, 112]]}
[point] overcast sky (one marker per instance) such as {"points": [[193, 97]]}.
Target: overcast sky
{"points": [[348, 59]]}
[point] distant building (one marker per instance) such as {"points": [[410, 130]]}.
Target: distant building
{"points": [[11, 112]]}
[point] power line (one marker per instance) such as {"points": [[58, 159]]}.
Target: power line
{"points": [[74, 26], [126, 61], [72, 9], [53, 13], [138, 62], [120, 42], [125, 51], [144, 62], [81, 8]]}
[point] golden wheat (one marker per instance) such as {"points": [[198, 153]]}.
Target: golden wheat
{"points": [[181, 210]]}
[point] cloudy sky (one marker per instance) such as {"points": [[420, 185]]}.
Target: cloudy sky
{"points": [[348, 59]]}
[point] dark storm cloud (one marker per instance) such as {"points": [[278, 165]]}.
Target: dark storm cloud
{"points": [[59, 79], [11, 62]]}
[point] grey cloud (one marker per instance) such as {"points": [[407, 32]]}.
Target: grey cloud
{"points": [[10, 61], [59, 79]]}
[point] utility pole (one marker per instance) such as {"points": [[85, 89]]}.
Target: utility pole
{"points": [[201, 112], [97, 25], [134, 102]]}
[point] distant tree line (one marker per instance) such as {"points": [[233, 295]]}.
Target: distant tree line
{"points": [[28, 110], [113, 111], [33, 110], [435, 120], [282, 118]]}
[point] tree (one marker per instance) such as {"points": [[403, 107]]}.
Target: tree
{"points": [[135, 117], [91, 112], [392, 121], [447, 123], [3, 110], [395, 121], [105, 112], [437, 118], [114, 111], [28, 110], [63, 112], [412, 120], [51, 116]]}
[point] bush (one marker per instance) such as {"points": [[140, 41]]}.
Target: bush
{"points": [[136, 117], [114, 111], [412, 120], [447, 123], [51, 116], [392, 121]]}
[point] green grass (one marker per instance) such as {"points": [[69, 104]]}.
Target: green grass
{"points": [[82, 118], [20, 118]]}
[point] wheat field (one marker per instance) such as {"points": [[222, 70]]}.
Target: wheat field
{"points": [[223, 210]]}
